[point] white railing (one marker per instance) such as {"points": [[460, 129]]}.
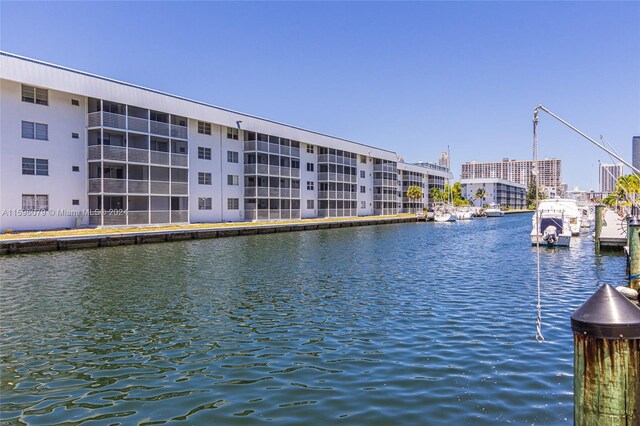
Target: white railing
{"points": [[159, 128], [138, 124]]}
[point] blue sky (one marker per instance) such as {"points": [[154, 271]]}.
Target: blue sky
{"points": [[412, 77]]}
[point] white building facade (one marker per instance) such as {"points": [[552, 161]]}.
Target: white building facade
{"points": [[78, 149], [519, 171], [609, 174], [499, 191]]}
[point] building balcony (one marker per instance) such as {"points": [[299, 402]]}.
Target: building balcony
{"points": [[179, 160], [179, 132], [159, 128], [179, 188], [138, 124]]}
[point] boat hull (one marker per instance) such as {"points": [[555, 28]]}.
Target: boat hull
{"points": [[563, 241], [489, 213]]}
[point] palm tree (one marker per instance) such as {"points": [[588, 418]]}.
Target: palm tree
{"points": [[437, 194], [480, 194], [414, 193]]}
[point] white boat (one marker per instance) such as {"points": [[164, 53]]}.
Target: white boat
{"points": [[585, 217], [568, 208], [551, 228], [464, 213], [444, 213], [493, 211]]}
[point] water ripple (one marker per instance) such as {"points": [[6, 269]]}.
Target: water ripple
{"points": [[396, 324]]}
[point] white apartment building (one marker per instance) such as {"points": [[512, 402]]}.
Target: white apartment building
{"points": [[77, 149], [519, 171], [499, 191], [609, 174]]}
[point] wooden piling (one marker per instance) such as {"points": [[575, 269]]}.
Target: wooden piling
{"points": [[599, 218], [633, 234], [606, 360]]}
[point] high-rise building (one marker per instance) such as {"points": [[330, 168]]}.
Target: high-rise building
{"points": [[444, 160], [635, 146], [609, 174], [78, 149], [519, 171]]}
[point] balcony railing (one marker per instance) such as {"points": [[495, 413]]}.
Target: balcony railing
{"points": [[160, 187], [138, 186], [117, 186], [94, 119], [163, 216], [159, 128], [178, 131], [116, 121], [137, 155], [179, 188], [138, 124], [137, 217], [95, 152], [110, 152], [95, 185], [159, 157], [179, 160], [179, 216]]}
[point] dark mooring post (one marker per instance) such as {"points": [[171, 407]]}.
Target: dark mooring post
{"points": [[599, 219], [606, 361], [633, 234]]}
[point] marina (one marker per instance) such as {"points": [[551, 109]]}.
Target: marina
{"points": [[369, 325]]}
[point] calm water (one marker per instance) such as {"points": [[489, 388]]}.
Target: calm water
{"points": [[395, 324]]}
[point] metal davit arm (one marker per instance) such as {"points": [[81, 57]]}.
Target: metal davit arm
{"points": [[593, 141]]}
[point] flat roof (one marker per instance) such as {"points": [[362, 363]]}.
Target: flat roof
{"points": [[182, 98]]}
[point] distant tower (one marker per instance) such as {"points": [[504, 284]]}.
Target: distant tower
{"points": [[635, 146], [444, 160], [609, 174]]}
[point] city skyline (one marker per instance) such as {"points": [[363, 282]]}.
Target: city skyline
{"points": [[414, 78]]}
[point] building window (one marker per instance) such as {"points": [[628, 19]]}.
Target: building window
{"points": [[233, 203], [362, 174], [233, 180], [363, 159], [310, 149], [35, 166], [35, 131], [232, 134], [204, 178], [75, 135], [309, 167], [204, 203], [204, 128], [232, 156], [310, 204], [75, 168], [363, 189], [75, 102], [35, 95], [363, 204], [75, 202], [31, 202], [310, 185], [204, 153]]}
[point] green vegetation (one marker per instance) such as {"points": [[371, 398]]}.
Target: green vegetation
{"points": [[453, 192], [626, 191], [531, 194], [414, 193], [479, 195]]}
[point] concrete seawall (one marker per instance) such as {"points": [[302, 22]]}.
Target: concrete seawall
{"points": [[122, 237]]}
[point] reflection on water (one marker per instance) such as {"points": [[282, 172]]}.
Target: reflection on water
{"points": [[395, 324]]}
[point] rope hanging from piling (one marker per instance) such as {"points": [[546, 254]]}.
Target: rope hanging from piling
{"points": [[534, 173]]}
